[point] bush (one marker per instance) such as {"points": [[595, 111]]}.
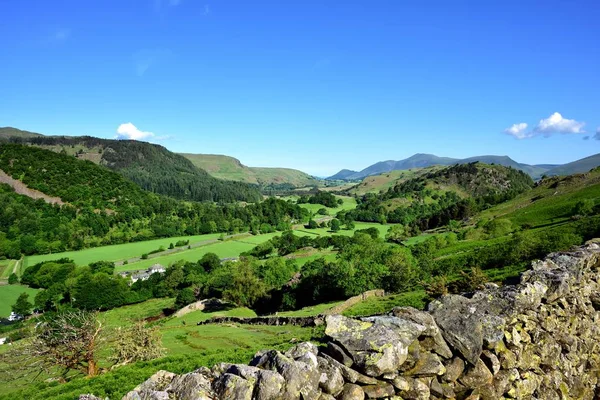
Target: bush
{"points": [[13, 279], [144, 256]]}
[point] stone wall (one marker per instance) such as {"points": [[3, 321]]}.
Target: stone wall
{"points": [[536, 340], [273, 320]]}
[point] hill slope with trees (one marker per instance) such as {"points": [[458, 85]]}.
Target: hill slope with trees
{"points": [[152, 167]]}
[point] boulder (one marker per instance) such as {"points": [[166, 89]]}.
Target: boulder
{"points": [[375, 348], [351, 392], [233, 387]]}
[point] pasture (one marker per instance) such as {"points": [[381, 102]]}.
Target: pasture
{"points": [[117, 252], [10, 293]]}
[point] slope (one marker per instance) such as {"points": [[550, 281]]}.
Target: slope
{"points": [[229, 168], [152, 167], [8, 132], [576, 167]]}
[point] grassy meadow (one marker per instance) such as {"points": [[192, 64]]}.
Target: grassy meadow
{"points": [[10, 293]]}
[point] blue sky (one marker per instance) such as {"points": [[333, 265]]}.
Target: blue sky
{"points": [[313, 85]]}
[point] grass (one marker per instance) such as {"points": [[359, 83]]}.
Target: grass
{"points": [[381, 305], [310, 311], [117, 252], [10, 293]]}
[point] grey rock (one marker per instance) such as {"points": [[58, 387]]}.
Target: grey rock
{"points": [[192, 386], [375, 348], [233, 387], [379, 391], [339, 354], [331, 380], [351, 392], [267, 384]]}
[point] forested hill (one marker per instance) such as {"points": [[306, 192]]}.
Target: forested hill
{"points": [[152, 167], [103, 207], [434, 199]]}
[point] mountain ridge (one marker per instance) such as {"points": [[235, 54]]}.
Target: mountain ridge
{"points": [[423, 160]]}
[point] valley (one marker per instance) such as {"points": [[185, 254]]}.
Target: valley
{"points": [[417, 233]]}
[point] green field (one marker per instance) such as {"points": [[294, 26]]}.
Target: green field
{"points": [[9, 294], [349, 204], [117, 252], [310, 311], [380, 305], [233, 247]]}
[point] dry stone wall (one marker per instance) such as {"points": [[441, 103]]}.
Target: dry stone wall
{"points": [[536, 340]]}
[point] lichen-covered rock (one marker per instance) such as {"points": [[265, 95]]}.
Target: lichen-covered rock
{"points": [[192, 386], [375, 348], [268, 385], [339, 354], [233, 387], [351, 392], [379, 391], [460, 325], [477, 376], [301, 378], [428, 364], [332, 380]]}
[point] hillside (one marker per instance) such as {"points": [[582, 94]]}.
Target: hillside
{"points": [[429, 200], [576, 167], [426, 160], [344, 174], [8, 132], [152, 167], [229, 168]]}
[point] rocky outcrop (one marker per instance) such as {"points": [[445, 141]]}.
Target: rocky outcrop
{"points": [[536, 340]]}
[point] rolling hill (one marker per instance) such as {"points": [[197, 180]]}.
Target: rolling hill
{"points": [[231, 169], [151, 166], [576, 167], [8, 132], [421, 160]]}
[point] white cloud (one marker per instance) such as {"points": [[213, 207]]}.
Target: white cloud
{"points": [[557, 124], [131, 132], [517, 130]]}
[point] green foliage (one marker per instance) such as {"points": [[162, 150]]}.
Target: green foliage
{"points": [[335, 225], [22, 306], [324, 198], [158, 170], [13, 279], [184, 297]]}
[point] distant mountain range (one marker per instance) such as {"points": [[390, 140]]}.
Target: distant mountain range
{"points": [[421, 160]]}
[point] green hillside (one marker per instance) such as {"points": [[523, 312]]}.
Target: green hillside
{"points": [[433, 197], [152, 167], [229, 168], [8, 132], [576, 167]]}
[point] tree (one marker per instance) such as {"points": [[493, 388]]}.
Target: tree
{"points": [[22, 306], [66, 341], [312, 224], [136, 343], [350, 225], [335, 225], [396, 234], [184, 297], [210, 261], [244, 287], [584, 207], [13, 279]]}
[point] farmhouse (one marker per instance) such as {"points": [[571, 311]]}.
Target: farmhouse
{"points": [[143, 275]]}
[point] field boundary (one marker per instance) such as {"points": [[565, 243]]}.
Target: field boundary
{"points": [[340, 308]]}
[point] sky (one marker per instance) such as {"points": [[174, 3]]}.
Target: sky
{"points": [[313, 85]]}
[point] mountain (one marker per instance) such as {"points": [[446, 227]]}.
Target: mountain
{"points": [[151, 166], [421, 160], [344, 174], [8, 132], [231, 169], [576, 167]]}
